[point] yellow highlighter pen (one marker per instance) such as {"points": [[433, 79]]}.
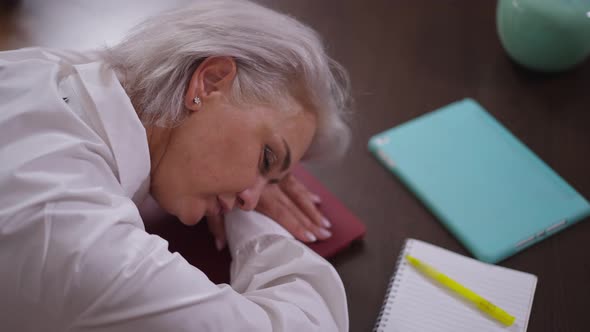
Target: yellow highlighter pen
{"points": [[482, 304]]}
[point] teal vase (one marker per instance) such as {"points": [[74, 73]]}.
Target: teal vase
{"points": [[545, 35]]}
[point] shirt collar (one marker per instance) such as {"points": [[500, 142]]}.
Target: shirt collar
{"points": [[125, 133]]}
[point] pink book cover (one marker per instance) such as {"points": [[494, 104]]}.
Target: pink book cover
{"points": [[197, 246]]}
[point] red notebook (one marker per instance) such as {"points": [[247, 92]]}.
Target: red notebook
{"points": [[197, 246]]}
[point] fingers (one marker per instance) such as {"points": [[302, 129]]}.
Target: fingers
{"points": [[317, 200], [217, 228], [305, 200], [303, 224], [278, 205]]}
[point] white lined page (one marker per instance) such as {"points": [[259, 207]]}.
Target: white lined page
{"points": [[419, 304]]}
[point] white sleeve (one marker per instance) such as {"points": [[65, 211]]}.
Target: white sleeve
{"points": [[297, 288], [128, 281]]}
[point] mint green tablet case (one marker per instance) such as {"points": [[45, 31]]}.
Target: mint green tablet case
{"points": [[493, 193]]}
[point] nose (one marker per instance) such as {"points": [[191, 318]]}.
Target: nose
{"points": [[248, 198]]}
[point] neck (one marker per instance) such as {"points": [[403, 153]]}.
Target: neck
{"points": [[158, 139]]}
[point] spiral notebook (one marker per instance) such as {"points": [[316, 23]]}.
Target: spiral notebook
{"points": [[414, 303]]}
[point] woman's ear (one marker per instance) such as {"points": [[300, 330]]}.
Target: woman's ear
{"points": [[212, 79]]}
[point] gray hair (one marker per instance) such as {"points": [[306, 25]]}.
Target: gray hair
{"points": [[278, 59]]}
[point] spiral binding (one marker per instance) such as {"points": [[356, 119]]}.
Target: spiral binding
{"points": [[392, 289]]}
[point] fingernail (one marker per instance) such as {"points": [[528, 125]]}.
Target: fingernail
{"points": [[219, 244], [310, 237], [324, 233], [326, 223], [316, 199]]}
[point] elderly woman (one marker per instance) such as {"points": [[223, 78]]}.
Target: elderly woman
{"points": [[207, 109]]}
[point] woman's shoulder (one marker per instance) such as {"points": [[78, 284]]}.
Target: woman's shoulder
{"points": [[57, 112]]}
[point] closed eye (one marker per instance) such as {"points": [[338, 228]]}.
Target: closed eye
{"points": [[269, 158]]}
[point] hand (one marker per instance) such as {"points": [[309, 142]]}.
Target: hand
{"points": [[217, 228], [294, 207], [291, 205]]}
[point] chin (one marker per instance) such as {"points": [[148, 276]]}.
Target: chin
{"points": [[190, 214], [192, 220]]}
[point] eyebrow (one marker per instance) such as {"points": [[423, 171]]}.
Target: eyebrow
{"points": [[287, 160]]}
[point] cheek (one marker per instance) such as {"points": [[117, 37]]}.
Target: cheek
{"points": [[188, 208], [230, 168], [198, 167]]}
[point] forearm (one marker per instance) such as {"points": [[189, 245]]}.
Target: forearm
{"points": [[269, 266], [278, 284]]}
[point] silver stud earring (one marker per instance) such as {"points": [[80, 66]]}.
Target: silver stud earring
{"points": [[197, 101]]}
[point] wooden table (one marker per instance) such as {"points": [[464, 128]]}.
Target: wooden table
{"points": [[406, 58]]}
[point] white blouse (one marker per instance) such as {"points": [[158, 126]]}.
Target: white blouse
{"points": [[74, 254]]}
